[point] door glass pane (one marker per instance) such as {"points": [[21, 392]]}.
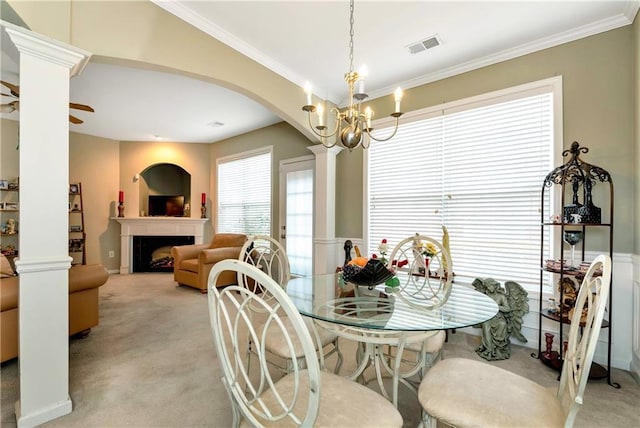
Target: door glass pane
{"points": [[299, 221]]}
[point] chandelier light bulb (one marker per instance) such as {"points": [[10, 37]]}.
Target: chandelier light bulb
{"points": [[320, 111], [397, 96], [368, 114], [362, 73], [308, 92]]}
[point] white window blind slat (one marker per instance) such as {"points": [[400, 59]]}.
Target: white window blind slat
{"points": [[244, 194], [477, 170]]}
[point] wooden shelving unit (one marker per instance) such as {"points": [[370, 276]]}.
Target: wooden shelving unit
{"points": [[9, 213], [77, 233]]}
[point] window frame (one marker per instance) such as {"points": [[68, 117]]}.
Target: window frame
{"points": [[552, 85], [237, 157]]}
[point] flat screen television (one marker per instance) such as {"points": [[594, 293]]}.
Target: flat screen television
{"points": [[166, 205]]}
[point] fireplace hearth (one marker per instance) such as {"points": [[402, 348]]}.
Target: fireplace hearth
{"points": [[153, 253]]}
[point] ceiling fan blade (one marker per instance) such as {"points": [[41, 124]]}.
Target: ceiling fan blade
{"points": [[9, 108], [15, 90], [81, 107], [75, 120]]}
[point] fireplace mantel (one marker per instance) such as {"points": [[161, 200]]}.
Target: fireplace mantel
{"points": [[154, 226]]}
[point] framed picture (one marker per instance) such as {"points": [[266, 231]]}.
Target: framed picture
{"points": [[75, 228], [11, 206], [4, 184], [74, 189]]}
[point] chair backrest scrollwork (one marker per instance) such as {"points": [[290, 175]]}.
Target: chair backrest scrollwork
{"points": [[257, 396], [583, 334], [425, 271], [268, 255]]}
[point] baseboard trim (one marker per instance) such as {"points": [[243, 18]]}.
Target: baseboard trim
{"points": [[43, 415]]}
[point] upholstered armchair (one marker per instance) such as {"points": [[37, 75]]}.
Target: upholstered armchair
{"points": [[192, 263]]}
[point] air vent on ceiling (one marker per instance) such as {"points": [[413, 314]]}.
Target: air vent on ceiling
{"points": [[423, 45]]}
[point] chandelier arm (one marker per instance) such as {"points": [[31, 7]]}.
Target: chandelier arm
{"points": [[319, 133], [366, 140], [389, 137]]}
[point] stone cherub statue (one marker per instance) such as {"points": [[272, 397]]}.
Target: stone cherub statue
{"points": [[512, 306]]}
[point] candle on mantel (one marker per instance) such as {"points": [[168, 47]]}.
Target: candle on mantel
{"points": [[204, 198], [121, 196]]}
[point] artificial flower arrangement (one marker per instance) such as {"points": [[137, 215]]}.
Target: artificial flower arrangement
{"points": [[428, 249]]}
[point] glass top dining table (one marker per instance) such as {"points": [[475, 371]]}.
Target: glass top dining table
{"points": [[323, 298]]}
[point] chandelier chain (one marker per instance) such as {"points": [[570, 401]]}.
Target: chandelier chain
{"points": [[352, 125], [351, 36]]}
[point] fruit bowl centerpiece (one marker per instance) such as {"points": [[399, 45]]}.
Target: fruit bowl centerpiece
{"points": [[366, 272]]}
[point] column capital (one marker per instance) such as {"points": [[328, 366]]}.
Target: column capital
{"points": [[320, 149], [29, 43]]}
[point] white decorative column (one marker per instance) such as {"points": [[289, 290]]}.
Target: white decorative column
{"points": [[45, 68], [325, 208]]}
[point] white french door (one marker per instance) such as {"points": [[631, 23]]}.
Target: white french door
{"points": [[296, 213]]}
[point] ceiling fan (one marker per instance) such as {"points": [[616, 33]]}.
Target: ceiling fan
{"points": [[15, 104]]}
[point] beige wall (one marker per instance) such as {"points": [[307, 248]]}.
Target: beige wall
{"points": [[94, 162], [9, 159], [636, 135], [598, 113], [287, 143]]}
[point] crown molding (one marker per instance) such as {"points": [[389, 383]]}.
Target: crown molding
{"points": [[47, 49], [625, 18], [179, 10], [597, 27]]}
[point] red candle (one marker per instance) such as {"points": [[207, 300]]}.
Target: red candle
{"points": [[204, 198], [121, 196]]}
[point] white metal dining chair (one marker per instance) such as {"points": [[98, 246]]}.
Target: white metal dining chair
{"points": [[268, 255], [306, 396], [467, 393], [427, 281]]}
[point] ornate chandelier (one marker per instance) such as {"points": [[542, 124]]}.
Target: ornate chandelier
{"points": [[353, 126]]}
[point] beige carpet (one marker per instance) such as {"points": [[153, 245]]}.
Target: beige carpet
{"points": [[151, 363]]}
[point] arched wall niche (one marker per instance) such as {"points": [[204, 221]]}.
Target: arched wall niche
{"points": [[164, 179]]}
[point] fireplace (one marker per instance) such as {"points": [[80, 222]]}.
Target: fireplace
{"points": [[153, 253], [159, 227]]}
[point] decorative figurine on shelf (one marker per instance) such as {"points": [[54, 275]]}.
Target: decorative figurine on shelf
{"points": [[568, 290], [549, 354], [589, 212], [348, 245], [569, 210], [513, 304], [11, 227]]}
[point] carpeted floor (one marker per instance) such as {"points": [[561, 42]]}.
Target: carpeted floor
{"points": [[151, 363]]}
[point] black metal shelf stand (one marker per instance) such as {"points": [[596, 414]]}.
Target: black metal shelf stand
{"points": [[568, 179]]}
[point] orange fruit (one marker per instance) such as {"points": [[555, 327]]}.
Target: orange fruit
{"points": [[359, 261]]}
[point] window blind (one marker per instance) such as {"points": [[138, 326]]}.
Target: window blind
{"points": [[476, 169], [244, 194]]}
